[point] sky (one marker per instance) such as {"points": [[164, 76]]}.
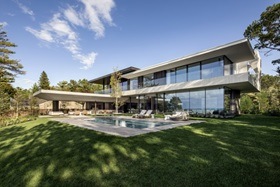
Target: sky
{"points": [[77, 39]]}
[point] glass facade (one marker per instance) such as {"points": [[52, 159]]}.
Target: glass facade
{"points": [[214, 100], [203, 101], [148, 80], [212, 68], [134, 84], [194, 72], [197, 102], [171, 76], [205, 69], [181, 74]]}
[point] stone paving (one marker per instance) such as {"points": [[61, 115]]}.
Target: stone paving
{"points": [[121, 131]]}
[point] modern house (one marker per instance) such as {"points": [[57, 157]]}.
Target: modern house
{"points": [[203, 82]]}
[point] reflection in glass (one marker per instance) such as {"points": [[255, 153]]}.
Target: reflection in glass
{"points": [[148, 80], [171, 78], [214, 100], [181, 74], [194, 72], [134, 84], [197, 101], [212, 68]]}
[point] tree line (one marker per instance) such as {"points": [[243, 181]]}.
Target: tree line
{"points": [[267, 101]]}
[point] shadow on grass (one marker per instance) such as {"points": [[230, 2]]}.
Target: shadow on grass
{"points": [[243, 151]]}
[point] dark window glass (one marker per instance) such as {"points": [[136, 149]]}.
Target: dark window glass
{"points": [[134, 84], [160, 78], [148, 80]]}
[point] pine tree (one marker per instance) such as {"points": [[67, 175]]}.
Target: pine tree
{"points": [[9, 68], [34, 88], [44, 82]]}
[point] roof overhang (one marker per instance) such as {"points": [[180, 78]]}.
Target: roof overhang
{"points": [[54, 95], [237, 51], [99, 80]]}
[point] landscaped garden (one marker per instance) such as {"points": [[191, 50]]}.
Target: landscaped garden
{"points": [[242, 151]]}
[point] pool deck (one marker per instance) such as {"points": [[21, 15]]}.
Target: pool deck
{"points": [[122, 131]]}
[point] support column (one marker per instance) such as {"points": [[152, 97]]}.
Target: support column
{"points": [[129, 104], [235, 102], [138, 103], [55, 105], [163, 102], [95, 107]]}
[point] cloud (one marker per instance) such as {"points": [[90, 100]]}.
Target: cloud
{"points": [[43, 34], [97, 11], [73, 16], [4, 24], [25, 9], [92, 15]]}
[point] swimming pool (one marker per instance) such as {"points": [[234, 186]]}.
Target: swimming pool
{"points": [[130, 123]]}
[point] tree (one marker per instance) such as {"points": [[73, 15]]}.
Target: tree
{"points": [[34, 88], [4, 103], [20, 100], [116, 92], [266, 31], [73, 85], [44, 82], [9, 68], [63, 85], [246, 104]]}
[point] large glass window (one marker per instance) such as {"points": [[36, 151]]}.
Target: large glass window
{"points": [[134, 84], [181, 74], [171, 76], [160, 78], [193, 71], [214, 100], [124, 86], [185, 100], [212, 68], [148, 80], [173, 103], [228, 66], [197, 102]]}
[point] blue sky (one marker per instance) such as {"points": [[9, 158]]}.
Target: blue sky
{"points": [[75, 39]]}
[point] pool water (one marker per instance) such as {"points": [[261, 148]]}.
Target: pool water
{"points": [[130, 123]]}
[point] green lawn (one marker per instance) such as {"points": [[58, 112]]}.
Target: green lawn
{"points": [[244, 151]]}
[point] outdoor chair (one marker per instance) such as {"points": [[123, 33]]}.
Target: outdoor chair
{"points": [[141, 113], [146, 115], [178, 116]]}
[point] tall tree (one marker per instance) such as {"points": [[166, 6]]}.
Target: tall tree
{"points": [[266, 31], [34, 88], [44, 82], [116, 91], [9, 68]]}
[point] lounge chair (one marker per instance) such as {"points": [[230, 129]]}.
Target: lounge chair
{"points": [[179, 116], [146, 115], [141, 113]]}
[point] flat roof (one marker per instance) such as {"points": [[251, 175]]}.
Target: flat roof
{"points": [[99, 80], [55, 95], [237, 51]]}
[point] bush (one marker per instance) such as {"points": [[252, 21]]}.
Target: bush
{"points": [[5, 121]]}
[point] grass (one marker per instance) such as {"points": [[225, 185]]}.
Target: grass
{"points": [[244, 151]]}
